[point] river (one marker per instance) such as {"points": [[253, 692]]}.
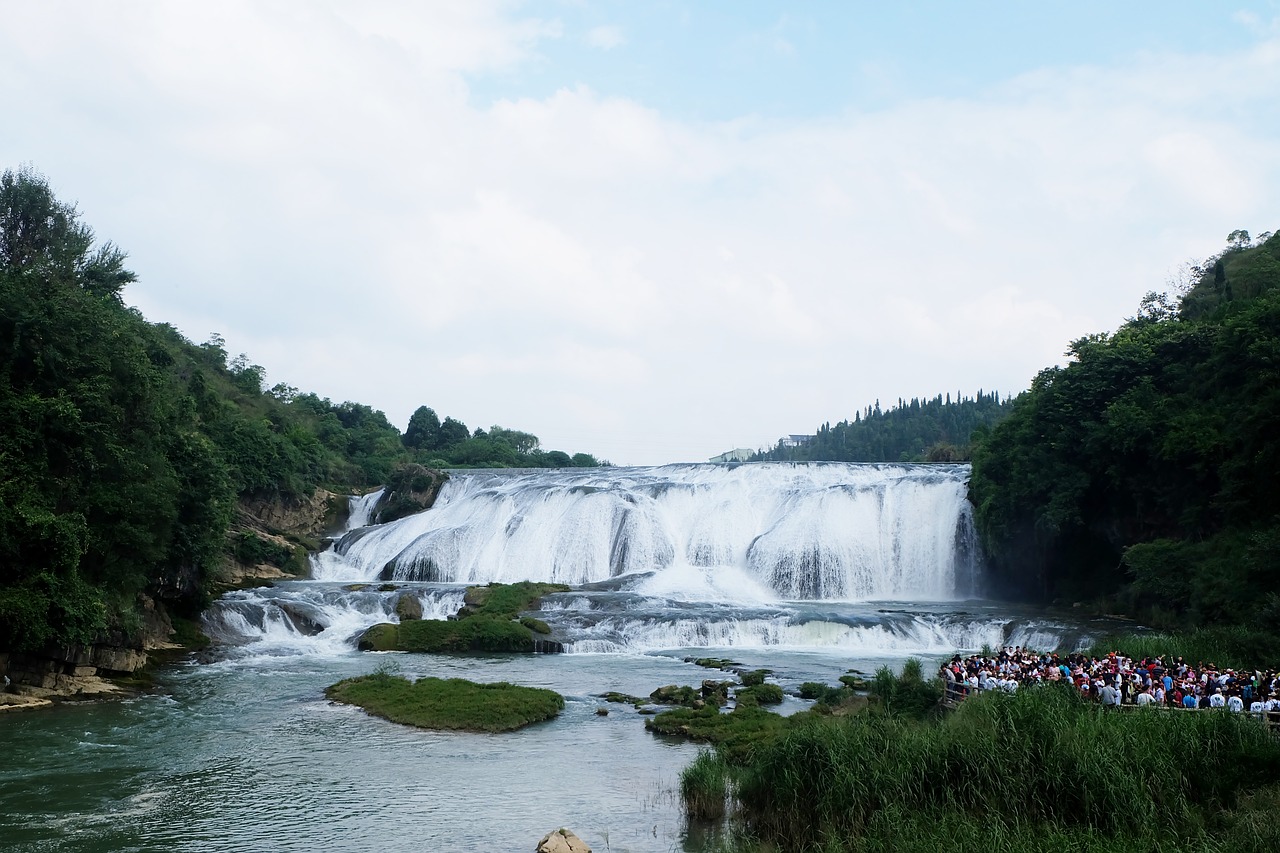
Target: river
{"points": [[240, 751]]}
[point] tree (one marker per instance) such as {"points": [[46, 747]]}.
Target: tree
{"points": [[42, 236], [423, 432], [453, 433], [520, 442]]}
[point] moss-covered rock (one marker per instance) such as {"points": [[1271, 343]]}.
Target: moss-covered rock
{"points": [[537, 626], [383, 637], [488, 621], [410, 488], [759, 694], [675, 694]]}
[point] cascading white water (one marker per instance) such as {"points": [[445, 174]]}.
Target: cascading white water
{"points": [[822, 531], [312, 618], [361, 508]]}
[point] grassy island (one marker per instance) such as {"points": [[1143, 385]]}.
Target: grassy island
{"points": [[489, 621], [453, 704]]}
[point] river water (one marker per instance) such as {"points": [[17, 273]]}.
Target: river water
{"points": [[241, 751]]}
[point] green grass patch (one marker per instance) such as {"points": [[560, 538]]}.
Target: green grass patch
{"points": [[475, 634], [704, 786], [759, 694], [507, 599], [450, 704], [736, 735]]}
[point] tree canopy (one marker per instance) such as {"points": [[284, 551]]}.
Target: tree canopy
{"points": [[1145, 468]]}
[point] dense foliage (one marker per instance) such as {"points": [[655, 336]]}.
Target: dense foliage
{"points": [[448, 444], [936, 430], [124, 447], [1145, 468]]}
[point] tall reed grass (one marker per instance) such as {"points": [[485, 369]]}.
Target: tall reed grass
{"points": [[1038, 764], [704, 786]]}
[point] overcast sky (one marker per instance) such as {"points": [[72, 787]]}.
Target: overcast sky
{"points": [[649, 231]]}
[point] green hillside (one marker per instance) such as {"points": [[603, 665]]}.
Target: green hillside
{"points": [[936, 430], [1145, 470], [125, 448]]}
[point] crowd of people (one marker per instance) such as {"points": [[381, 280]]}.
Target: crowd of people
{"points": [[1116, 680]]}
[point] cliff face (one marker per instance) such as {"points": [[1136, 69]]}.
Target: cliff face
{"points": [[269, 538]]}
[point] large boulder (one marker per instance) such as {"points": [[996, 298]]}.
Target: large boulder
{"points": [[383, 637], [411, 488], [408, 607], [562, 841]]}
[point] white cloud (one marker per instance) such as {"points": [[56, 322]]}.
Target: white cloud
{"points": [[314, 182], [606, 37]]}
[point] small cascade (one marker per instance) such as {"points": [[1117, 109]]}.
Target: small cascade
{"points": [[310, 618], [813, 531], [846, 633], [361, 509]]}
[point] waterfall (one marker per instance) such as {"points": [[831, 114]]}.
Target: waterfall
{"points": [[817, 531], [361, 509]]}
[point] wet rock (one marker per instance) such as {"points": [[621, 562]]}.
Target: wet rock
{"points": [[383, 637], [408, 607], [562, 841], [303, 622]]}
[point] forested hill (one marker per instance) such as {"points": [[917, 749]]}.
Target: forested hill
{"points": [[125, 448], [936, 430], [1146, 469]]}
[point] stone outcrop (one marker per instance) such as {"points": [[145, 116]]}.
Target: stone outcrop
{"points": [[310, 518], [84, 671], [562, 841], [279, 532], [411, 488], [408, 607]]}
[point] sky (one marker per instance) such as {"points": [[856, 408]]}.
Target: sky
{"points": [[649, 231]]}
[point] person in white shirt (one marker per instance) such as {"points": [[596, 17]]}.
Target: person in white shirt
{"points": [[1217, 700], [1234, 703], [1145, 698]]}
